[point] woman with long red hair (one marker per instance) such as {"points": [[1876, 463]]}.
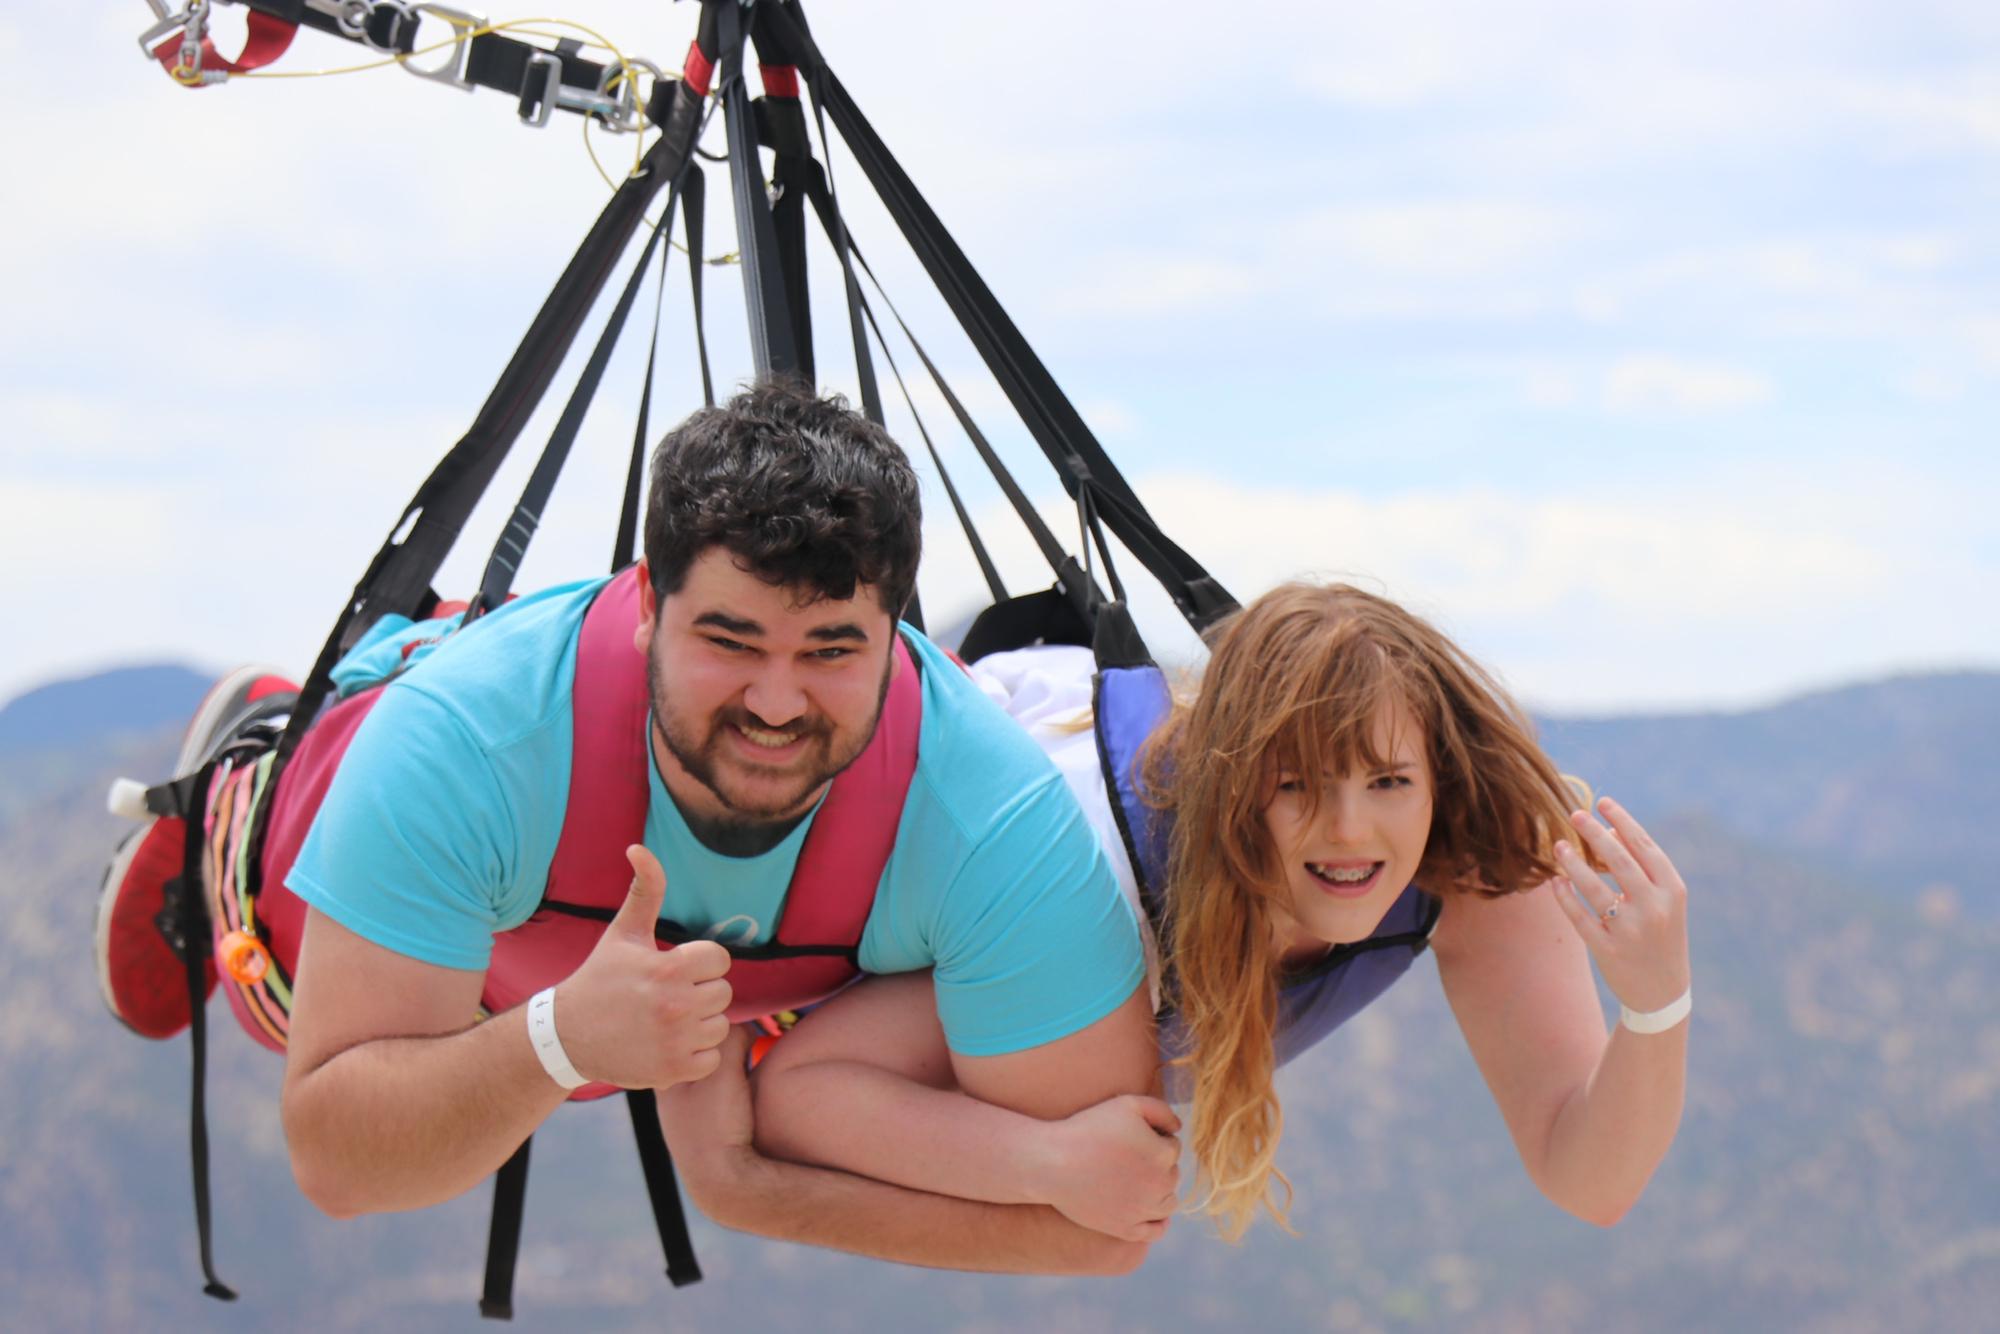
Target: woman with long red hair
{"points": [[1345, 788]]}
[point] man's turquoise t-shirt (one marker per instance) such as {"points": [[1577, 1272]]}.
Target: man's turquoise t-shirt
{"points": [[441, 823]]}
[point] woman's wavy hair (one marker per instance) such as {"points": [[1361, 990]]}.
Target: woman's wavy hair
{"points": [[1295, 682]]}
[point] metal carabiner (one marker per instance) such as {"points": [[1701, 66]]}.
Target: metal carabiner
{"points": [[351, 15], [166, 22], [402, 9], [463, 26], [626, 113], [193, 25]]}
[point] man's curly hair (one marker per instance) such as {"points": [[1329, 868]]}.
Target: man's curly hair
{"points": [[806, 493]]}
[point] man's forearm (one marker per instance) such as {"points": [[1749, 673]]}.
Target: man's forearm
{"points": [[402, 1123], [741, 1189]]}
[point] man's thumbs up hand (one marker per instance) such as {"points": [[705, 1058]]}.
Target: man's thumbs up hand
{"points": [[636, 1015]]}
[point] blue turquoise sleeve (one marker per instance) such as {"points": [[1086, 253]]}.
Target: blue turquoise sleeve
{"points": [[1034, 941], [415, 842]]}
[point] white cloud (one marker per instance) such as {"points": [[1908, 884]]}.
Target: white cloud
{"points": [[1591, 597], [1437, 240], [1656, 384]]}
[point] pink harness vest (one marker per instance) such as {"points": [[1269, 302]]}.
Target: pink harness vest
{"points": [[813, 952]]}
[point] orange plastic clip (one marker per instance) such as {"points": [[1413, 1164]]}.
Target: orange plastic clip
{"points": [[243, 957]]}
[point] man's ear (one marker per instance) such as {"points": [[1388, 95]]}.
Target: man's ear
{"points": [[649, 610]]}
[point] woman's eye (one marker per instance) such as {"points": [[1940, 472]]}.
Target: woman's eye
{"points": [[1386, 781], [1287, 783]]}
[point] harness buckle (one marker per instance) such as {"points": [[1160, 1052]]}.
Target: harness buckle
{"points": [[623, 111], [539, 103], [463, 26]]}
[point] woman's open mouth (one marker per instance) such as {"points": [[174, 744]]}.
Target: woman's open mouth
{"points": [[1346, 879]]}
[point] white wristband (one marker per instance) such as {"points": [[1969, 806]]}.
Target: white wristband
{"points": [[1660, 1020], [548, 1047]]}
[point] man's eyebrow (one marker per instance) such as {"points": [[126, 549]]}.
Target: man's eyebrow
{"points": [[729, 625], [843, 631]]}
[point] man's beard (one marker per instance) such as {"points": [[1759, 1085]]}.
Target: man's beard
{"points": [[699, 751]]}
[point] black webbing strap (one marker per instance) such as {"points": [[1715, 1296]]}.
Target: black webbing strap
{"points": [[657, 1165], [694, 204], [623, 544], [1050, 418], [987, 570], [398, 578], [492, 59], [624, 549], [826, 203], [184, 921], [859, 302], [1044, 537], [512, 545], [772, 348], [781, 127], [503, 1236]]}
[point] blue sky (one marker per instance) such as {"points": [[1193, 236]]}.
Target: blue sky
{"points": [[1653, 350]]}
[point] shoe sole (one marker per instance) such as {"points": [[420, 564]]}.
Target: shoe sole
{"points": [[168, 1008], [228, 704]]}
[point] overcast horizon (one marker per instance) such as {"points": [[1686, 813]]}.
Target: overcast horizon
{"points": [[1654, 354]]}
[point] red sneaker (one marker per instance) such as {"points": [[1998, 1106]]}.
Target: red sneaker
{"points": [[143, 982]]}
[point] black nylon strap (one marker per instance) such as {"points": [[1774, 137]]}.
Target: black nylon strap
{"points": [[694, 197], [1044, 537], [398, 578], [624, 549], [664, 1193], [1047, 413], [623, 545], [492, 60], [826, 203], [503, 1237], [512, 545], [771, 344], [858, 303], [185, 922], [781, 128], [987, 570]]}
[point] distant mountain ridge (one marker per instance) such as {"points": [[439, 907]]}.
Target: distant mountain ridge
{"points": [[1891, 784], [125, 699], [1843, 777]]}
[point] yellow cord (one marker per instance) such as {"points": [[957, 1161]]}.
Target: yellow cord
{"points": [[522, 26], [597, 42]]}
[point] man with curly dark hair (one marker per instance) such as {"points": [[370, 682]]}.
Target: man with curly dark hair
{"points": [[422, 853]]}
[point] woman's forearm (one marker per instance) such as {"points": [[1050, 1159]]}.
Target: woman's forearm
{"points": [[861, 1119], [1612, 1133]]}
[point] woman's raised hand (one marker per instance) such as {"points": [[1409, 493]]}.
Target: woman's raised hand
{"points": [[1638, 937]]}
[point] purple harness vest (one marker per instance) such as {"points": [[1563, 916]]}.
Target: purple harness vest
{"points": [[1128, 703]]}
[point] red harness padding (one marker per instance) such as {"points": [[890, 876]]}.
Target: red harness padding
{"points": [[833, 885], [266, 39]]}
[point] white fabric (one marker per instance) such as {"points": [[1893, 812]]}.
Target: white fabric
{"points": [[1047, 690]]}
